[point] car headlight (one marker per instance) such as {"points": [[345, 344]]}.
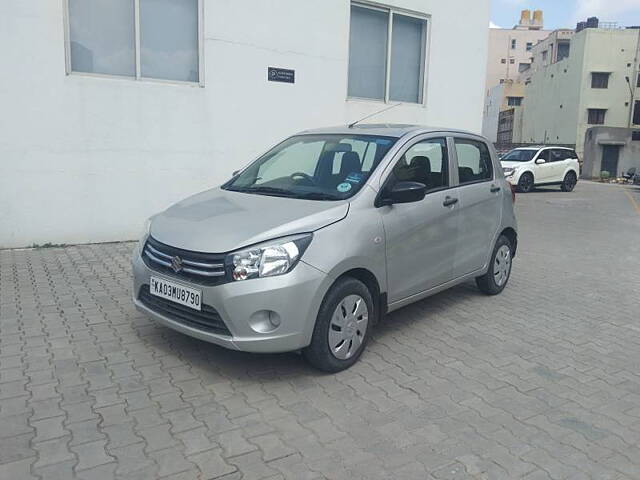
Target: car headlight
{"points": [[509, 171], [269, 259]]}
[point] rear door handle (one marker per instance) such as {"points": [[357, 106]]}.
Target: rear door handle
{"points": [[495, 189], [448, 201]]}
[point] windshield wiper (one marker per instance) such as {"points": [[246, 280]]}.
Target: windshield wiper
{"points": [[280, 192], [316, 196]]}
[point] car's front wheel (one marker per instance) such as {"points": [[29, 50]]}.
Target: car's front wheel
{"points": [[496, 278], [569, 182], [342, 327], [525, 184]]}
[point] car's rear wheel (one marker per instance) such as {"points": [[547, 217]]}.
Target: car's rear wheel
{"points": [[496, 278], [569, 182], [525, 184], [342, 327]]}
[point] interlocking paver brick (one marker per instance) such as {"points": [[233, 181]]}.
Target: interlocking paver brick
{"points": [[171, 461], [91, 455], [540, 382], [17, 469], [211, 464]]}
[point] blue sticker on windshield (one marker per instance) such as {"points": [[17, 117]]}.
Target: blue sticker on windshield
{"points": [[344, 187], [382, 141], [354, 177]]}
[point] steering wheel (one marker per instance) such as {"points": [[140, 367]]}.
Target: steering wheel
{"points": [[303, 175]]}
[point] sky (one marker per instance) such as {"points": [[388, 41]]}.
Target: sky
{"points": [[565, 13]]}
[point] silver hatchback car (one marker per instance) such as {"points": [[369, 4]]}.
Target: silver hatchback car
{"points": [[310, 245]]}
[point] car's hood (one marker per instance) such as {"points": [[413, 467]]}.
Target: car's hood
{"points": [[508, 164], [218, 221]]}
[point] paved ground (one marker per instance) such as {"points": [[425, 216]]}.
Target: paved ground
{"points": [[540, 382]]}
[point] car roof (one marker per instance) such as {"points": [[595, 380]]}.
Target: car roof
{"points": [[384, 129], [540, 147]]}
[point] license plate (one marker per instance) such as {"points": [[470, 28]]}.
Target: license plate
{"points": [[175, 292]]}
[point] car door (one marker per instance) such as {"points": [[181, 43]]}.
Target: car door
{"points": [[543, 172], [420, 236], [480, 204], [558, 157]]}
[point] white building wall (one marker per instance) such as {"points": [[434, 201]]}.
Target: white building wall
{"points": [[558, 96], [87, 159]]}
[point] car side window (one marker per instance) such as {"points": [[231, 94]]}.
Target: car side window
{"points": [[544, 155], [557, 155], [474, 161], [425, 162]]}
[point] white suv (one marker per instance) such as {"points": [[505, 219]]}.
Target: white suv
{"points": [[530, 167]]}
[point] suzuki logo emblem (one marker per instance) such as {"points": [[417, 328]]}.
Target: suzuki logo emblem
{"points": [[176, 264]]}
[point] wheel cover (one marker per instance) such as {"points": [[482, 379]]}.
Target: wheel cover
{"points": [[502, 265], [570, 181], [526, 182], [348, 326]]}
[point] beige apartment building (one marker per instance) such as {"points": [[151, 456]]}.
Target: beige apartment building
{"points": [[510, 50], [510, 53], [574, 99]]}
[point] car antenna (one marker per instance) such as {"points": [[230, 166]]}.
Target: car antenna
{"points": [[351, 125]]}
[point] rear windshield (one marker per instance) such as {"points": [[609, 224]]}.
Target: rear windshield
{"points": [[519, 156], [314, 167]]}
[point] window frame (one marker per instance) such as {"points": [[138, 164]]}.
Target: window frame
{"points": [[635, 114], [136, 25], [598, 110], [426, 44], [387, 171], [514, 101], [600, 76], [454, 154], [390, 179]]}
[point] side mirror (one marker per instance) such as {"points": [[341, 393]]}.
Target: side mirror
{"points": [[404, 192], [540, 161]]}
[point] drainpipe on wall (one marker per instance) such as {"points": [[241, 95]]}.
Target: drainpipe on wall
{"points": [[630, 100]]}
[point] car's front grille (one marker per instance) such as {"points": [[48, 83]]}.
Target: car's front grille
{"points": [[202, 268], [207, 319]]}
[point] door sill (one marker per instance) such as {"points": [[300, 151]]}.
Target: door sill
{"points": [[432, 291]]}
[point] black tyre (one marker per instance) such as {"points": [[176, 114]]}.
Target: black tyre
{"points": [[342, 327], [569, 182], [525, 184], [496, 278]]}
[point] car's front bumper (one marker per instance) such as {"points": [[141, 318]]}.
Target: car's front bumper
{"points": [[512, 179], [295, 297]]}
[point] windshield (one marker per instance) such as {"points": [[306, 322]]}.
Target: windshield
{"points": [[519, 156], [314, 167]]}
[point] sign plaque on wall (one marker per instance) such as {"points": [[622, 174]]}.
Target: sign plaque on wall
{"points": [[283, 75]]}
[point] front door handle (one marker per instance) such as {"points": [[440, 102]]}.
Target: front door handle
{"points": [[494, 189], [448, 201]]}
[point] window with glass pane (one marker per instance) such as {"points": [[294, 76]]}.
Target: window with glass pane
{"points": [[368, 52], [474, 161], [407, 58], [169, 39], [102, 36], [372, 41], [425, 162]]}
